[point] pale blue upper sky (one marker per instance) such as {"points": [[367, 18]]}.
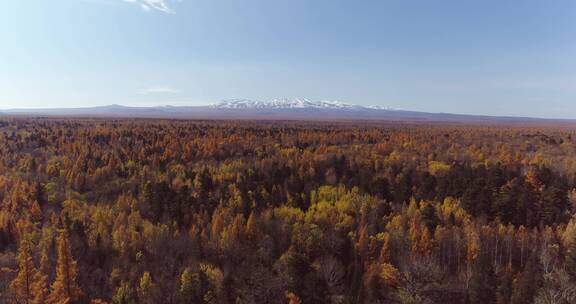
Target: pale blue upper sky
{"points": [[498, 57]]}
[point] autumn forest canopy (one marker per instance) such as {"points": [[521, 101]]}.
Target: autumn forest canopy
{"points": [[166, 211]]}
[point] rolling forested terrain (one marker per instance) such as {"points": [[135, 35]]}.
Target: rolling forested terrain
{"points": [[153, 211]]}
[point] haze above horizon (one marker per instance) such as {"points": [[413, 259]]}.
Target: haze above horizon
{"points": [[501, 58]]}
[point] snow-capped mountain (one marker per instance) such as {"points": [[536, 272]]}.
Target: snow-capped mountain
{"points": [[278, 109], [381, 108], [284, 103]]}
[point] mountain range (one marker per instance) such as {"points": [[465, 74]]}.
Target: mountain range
{"points": [[286, 103], [276, 109]]}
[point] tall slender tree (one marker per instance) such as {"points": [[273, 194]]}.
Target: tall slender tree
{"points": [[24, 284], [65, 289]]}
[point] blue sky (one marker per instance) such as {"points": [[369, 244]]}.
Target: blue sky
{"points": [[496, 57]]}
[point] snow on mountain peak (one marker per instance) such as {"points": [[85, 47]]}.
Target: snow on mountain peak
{"points": [[285, 103]]}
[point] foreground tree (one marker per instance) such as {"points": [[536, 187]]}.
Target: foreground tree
{"points": [[27, 286], [482, 288], [527, 283], [193, 286], [146, 289], [65, 289]]}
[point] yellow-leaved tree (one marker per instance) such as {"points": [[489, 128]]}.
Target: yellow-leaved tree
{"points": [[389, 275]]}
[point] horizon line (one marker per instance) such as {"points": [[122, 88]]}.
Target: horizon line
{"points": [[501, 116]]}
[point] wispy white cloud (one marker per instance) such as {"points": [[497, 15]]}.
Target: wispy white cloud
{"points": [[149, 5], [160, 90]]}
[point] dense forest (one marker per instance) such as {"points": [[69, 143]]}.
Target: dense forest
{"points": [[153, 211]]}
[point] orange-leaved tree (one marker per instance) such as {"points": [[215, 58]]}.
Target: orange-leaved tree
{"points": [[27, 286], [65, 289]]}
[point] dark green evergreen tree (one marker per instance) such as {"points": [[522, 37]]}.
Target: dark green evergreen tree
{"points": [[528, 282], [482, 289]]}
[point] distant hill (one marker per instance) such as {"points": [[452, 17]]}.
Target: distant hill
{"points": [[277, 109]]}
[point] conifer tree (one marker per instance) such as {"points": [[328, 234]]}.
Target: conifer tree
{"points": [[65, 289], [194, 287], [386, 249], [425, 242], [362, 245], [482, 288], [124, 294], [24, 284], [251, 227], [528, 282], [186, 286], [40, 289], [389, 275], [414, 235], [41, 284], [146, 289]]}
